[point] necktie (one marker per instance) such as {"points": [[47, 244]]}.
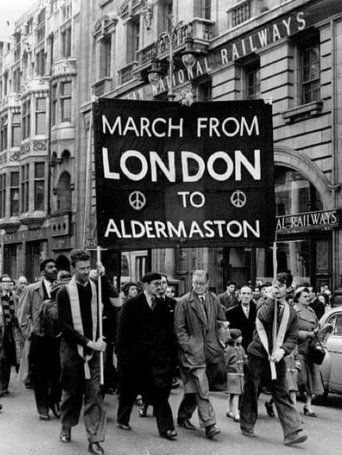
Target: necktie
{"points": [[247, 311], [153, 303]]}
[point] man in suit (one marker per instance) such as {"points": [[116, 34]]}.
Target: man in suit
{"points": [[243, 316], [145, 351], [228, 298], [40, 355]]}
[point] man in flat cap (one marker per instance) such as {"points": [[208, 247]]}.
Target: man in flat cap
{"points": [[145, 351]]}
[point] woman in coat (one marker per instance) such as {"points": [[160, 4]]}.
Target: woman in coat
{"points": [[309, 378]]}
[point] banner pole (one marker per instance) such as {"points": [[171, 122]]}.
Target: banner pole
{"points": [[99, 301], [275, 316]]}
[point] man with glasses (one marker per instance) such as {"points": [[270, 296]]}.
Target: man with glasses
{"points": [[145, 351], [198, 316]]}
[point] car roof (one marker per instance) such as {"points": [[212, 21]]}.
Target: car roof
{"points": [[336, 309]]}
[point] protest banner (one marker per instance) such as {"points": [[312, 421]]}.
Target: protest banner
{"points": [[168, 174]]}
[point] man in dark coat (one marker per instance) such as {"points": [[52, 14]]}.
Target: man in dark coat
{"points": [[198, 315], [243, 316], [275, 336], [145, 350], [80, 354], [228, 298]]}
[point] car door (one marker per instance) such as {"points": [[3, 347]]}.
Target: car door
{"points": [[334, 345]]}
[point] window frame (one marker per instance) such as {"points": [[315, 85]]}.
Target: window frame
{"points": [[39, 179], [14, 187], [25, 187]]}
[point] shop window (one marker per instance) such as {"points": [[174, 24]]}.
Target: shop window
{"points": [[16, 130], [39, 185], [310, 72], [65, 101], [26, 119], [25, 176], [3, 132], [14, 194], [294, 193], [2, 195], [40, 115]]}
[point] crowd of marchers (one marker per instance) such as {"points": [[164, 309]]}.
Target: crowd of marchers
{"points": [[144, 340]]}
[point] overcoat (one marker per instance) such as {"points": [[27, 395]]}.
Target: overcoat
{"points": [[201, 356], [145, 344], [237, 318]]}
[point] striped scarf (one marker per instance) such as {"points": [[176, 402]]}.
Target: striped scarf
{"points": [[7, 308]]}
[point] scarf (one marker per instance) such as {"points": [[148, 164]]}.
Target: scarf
{"points": [[278, 337], [7, 308], [77, 318]]}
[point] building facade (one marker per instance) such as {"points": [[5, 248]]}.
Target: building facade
{"points": [[285, 52]]}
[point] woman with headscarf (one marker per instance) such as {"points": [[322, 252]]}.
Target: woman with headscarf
{"points": [[309, 378]]}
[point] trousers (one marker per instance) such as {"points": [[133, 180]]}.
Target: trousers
{"points": [[77, 391], [258, 372], [188, 405]]}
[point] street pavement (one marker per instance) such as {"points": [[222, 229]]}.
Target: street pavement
{"points": [[22, 433]]}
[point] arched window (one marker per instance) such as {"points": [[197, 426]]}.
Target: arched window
{"points": [[65, 156], [64, 192]]}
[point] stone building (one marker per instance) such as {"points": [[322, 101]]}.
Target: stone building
{"points": [[285, 52]]}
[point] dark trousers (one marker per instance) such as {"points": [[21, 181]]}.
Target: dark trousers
{"points": [[8, 358], [45, 371], [110, 373], [78, 390], [258, 372], [156, 391]]}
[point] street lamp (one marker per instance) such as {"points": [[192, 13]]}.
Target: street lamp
{"points": [[169, 40]]}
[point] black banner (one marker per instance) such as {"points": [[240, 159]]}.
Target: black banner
{"points": [[169, 175]]}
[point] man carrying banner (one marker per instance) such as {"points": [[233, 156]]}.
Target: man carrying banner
{"points": [[80, 353], [275, 336]]}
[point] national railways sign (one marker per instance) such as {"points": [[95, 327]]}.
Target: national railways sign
{"points": [[169, 175]]}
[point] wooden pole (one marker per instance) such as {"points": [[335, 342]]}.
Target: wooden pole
{"points": [[275, 316], [99, 301]]}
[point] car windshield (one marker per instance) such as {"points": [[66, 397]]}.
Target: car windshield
{"points": [[336, 321]]}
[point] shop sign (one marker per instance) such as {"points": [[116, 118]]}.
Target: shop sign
{"points": [[25, 236], [168, 174], [320, 220]]}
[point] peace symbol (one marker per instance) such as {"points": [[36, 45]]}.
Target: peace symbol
{"points": [[238, 199], [137, 200]]}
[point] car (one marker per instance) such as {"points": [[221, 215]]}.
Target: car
{"points": [[331, 368]]}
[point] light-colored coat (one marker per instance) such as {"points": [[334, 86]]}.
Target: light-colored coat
{"points": [[29, 306], [201, 355]]}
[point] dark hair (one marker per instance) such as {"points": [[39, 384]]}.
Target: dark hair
{"points": [[126, 286], [230, 283], [283, 278], [266, 285], [151, 276], [44, 263], [78, 255]]}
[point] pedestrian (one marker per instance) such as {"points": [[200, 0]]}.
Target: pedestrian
{"points": [[145, 350], [266, 363], [198, 316], [235, 357], [129, 290], [12, 337], [81, 345], [309, 377], [243, 315], [41, 363], [228, 298]]}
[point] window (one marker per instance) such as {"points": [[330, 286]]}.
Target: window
{"points": [[40, 63], [240, 13], [25, 188], [16, 80], [64, 192], [105, 56], [14, 194], [253, 82], [133, 36], [39, 178], [204, 91], [65, 98], [311, 74], [206, 9], [16, 130], [26, 119], [54, 105], [2, 195], [66, 42], [40, 115], [40, 31], [336, 321], [3, 132]]}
